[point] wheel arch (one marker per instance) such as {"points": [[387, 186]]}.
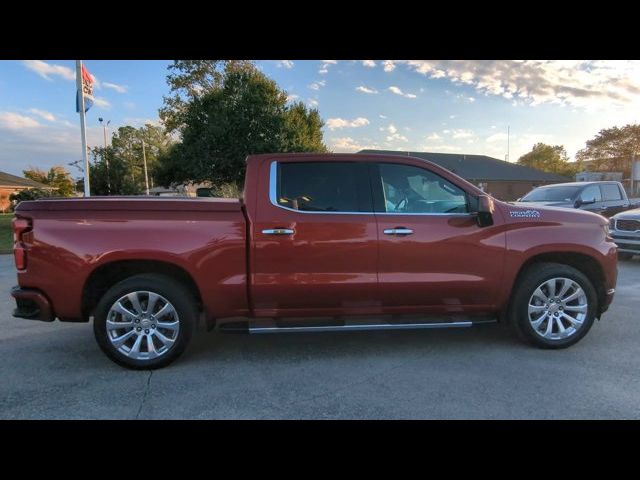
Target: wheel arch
{"points": [[108, 274], [582, 262]]}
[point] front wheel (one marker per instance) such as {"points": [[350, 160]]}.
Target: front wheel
{"points": [[554, 305], [145, 321]]}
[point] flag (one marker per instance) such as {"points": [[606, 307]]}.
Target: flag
{"points": [[87, 89]]}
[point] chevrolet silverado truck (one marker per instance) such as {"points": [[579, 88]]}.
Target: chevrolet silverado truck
{"points": [[319, 242], [605, 198]]}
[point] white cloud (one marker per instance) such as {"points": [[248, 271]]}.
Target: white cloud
{"points": [[397, 91], [288, 64], [101, 102], [382, 116], [389, 65], [43, 114], [397, 137], [324, 67], [312, 102], [335, 123], [369, 63], [141, 122], [434, 136], [364, 89], [291, 97], [47, 70], [348, 144], [116, 87], [471, 99], [590, 84], [15, 121], [461, 133], [317, 85], [391, 128], [497, 137]]}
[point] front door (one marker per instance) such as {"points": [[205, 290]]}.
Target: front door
{"points": [[433, 256], [315, 240]]}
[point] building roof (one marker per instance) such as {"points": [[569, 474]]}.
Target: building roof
{"points": [[480, 167], [8, 180]]}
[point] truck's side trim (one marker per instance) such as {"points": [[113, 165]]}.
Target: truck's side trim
{"points": [[273, 196]]}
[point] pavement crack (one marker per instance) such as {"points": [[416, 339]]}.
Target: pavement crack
{"points": [[145, 394]]}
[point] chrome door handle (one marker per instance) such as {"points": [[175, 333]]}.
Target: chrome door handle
{"points": [[279, 231], [398, 231]]}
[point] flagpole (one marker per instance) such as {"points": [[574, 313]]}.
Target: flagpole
{"points": [[83, 128]]}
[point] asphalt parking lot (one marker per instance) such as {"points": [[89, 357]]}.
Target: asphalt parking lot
{"points": [[56, 371]]}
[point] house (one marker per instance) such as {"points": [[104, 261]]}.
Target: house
{"points": [[10, 184], [504, 180]]}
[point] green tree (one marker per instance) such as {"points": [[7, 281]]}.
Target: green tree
{"points": [[29, 194], [189, 80], [550, 158], [613, 149], [57, 177], [114, 180], [248, 114], [119, 168]]}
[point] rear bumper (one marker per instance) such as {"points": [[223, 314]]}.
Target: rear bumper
{"points": [[32, 304]]}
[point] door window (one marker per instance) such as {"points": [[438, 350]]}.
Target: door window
{"points": [[409, 189], [590, 193], [323, 187], [610, 191]]}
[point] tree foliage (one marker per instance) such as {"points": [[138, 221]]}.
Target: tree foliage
{"points": [[549, 158], [57, 177], [189, 80], [119, 168], [30, 194], [247, 114], [613, 149]]}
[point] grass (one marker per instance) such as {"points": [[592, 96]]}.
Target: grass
{"points": [[6, 234]]}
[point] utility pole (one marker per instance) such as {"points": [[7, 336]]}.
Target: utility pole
{"points": [[106, 156], [144, 159]]}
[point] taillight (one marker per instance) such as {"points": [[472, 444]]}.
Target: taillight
{"points": [[21, 226]]}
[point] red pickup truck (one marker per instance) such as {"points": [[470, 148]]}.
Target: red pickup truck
{"points": [[319, 242]]}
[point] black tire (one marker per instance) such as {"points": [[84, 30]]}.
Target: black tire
{"points": [[625, 255], [529, 281], [181, 299]]}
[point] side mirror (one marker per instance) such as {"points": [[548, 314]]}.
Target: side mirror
{"points": [[486, 208], [580, 202]]}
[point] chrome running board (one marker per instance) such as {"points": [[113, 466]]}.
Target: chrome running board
{"points": [[245, 327]]}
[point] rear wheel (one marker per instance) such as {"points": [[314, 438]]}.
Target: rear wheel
{"points": [[554, 305], [145, 321]]}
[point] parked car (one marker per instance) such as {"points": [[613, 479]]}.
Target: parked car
{"points": [[625, 230], [326, 238], [605, 198]]}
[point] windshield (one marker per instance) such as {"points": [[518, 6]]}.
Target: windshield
{"points": [[551, 194]]}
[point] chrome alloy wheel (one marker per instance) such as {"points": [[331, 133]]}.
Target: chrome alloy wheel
{"points": [[558, 308], [142, 325]]}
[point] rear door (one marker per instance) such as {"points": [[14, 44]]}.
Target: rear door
{"points": [[314, 240], [613, 199], [433, 256]]}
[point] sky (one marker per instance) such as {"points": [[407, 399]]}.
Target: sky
{"points": [[462, 106]]}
